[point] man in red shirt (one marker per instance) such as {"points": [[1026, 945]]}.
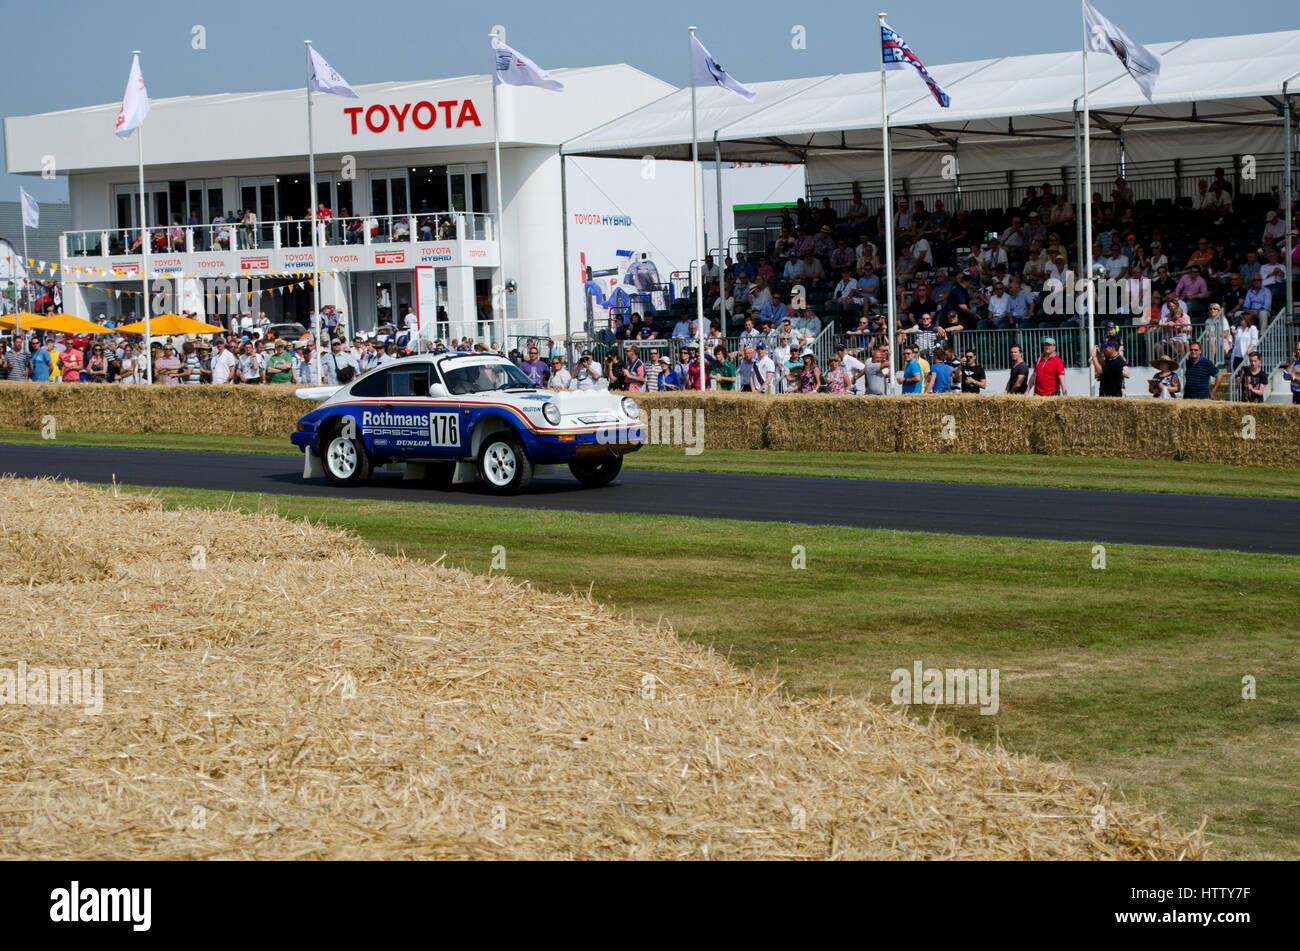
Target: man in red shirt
{"points": [[1048, 378], [71, 362]]}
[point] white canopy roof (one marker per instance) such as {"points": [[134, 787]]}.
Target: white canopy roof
{"points": [[1203, 83]]}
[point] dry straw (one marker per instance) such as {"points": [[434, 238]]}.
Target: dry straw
{"points": [[285, 692]]}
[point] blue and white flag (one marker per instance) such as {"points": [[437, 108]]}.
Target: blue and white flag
{"points": [[513, 68], [1105, 37], [325, 78], [705, 69], [896, 54]]}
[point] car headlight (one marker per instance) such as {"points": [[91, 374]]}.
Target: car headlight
{"points": [[630, 409], [551, 413]]}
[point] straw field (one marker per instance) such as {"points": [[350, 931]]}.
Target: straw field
{"points": [[1179, 430], [283, 691]]}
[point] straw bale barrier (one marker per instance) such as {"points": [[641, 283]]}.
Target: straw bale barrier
{"points": [[294, 694], [270, 410], [1194, 431]]}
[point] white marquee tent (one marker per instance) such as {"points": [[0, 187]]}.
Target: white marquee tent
{"points": [[1207, 87], [1217, 99]]}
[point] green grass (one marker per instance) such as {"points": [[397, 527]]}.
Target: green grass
{"points": [[1131, 673], [1128, 475]]}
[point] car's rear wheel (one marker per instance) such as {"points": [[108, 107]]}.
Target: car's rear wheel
{"points": [[345, 458], [596, 472], [503, 466]]}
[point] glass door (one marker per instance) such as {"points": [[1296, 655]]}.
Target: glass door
{"points": [[393, 299], [335, 195], [389, 195], [258, 196], [467, 192]]}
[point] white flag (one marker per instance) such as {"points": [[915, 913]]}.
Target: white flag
{"points": [[705, 69], [325, 78], [31, 210], [513, 68], [1105, 37], [135, 104]]}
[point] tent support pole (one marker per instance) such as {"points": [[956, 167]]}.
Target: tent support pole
{"points": [[722, 239], [1286, 211], [564, 244]]}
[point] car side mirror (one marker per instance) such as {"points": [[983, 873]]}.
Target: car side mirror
{"points": [[437, 389]]}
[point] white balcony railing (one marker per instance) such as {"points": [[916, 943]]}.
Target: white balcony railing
{"points": [[277, 235]]}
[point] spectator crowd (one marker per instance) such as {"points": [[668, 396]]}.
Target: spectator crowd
{"points": [[1212, 263]]}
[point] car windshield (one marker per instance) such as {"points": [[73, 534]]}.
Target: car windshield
{"points": [[481, 377]]}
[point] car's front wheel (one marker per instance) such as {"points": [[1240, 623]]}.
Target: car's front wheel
{"points": [[596, 472], [503, 466], [345, 458]]}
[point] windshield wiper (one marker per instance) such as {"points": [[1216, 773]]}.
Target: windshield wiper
{"points": [[518, 386]]}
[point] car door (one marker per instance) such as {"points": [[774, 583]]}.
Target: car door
{"points": [[401, 420]]}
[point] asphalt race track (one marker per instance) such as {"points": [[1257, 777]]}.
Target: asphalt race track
{"points": [[1196, 521]]}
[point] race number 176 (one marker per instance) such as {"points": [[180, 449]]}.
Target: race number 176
{"points": [[444, 429]]}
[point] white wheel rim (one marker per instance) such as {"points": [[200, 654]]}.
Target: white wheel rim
{"points": [[499, 463], [342, 456]]}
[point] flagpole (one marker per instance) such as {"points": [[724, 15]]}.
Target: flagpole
{"points": [[501, 215], [317, 321], [696, 214], [144, 252], [722, 239], [1087, 207], [26, 279], [889, 213]]}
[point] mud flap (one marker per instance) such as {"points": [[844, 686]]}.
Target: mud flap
{"points": [[312, 468]]}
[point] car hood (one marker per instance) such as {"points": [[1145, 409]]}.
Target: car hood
{"points": [[585, 401]]}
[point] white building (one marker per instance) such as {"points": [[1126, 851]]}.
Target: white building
{"points": [[411, 164]]}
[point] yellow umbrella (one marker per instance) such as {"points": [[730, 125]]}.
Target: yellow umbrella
{"points": [[166, 325], [24, 319], [65, 324]]}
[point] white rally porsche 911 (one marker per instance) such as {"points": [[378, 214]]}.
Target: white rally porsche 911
{"points": [[452, 417]]}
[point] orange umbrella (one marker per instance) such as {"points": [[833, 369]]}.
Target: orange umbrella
{"points": [[24, 320], [166, 325], [65, 324]]}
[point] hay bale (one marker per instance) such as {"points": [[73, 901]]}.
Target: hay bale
{"points": [[821, 422], [270, 410], [366, 706], [1249, 434], [731, 420], [1199, 430]]}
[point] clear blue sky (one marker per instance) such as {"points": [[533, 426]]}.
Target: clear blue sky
{"points": [[62, 55]]}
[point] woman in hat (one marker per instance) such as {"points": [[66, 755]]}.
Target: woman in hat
{"points": [[1165, 383], [668, 378], [810, 374]]}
